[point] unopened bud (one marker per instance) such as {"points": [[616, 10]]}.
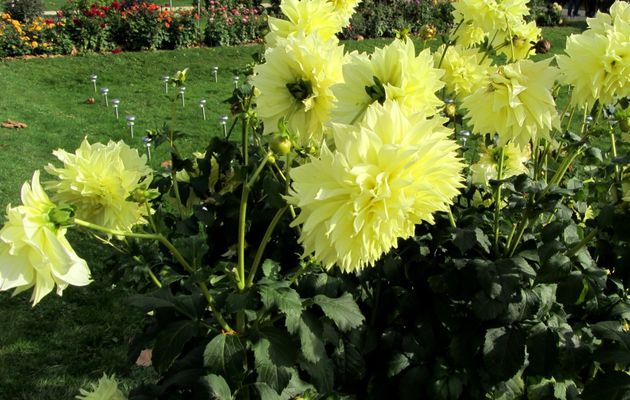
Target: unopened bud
{"points": [[427, 32], [450, 110], [542, 46]]}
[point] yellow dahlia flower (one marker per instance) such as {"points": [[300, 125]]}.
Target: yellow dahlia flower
{"points": [[487, 16], [386, 174], [519, 40], [294, 83], [393, 72], [597, 61], [105, 389], [514, 163], [34, 251], [464, 70], [98, 180], [305, 16], [345, 9], [517, 103]]}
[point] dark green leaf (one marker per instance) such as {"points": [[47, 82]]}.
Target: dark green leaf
{"points": [[274, 354], [224, 355], [343, 311], [504, 352], [170, 343], [288, 302], [322, 374], [613, 385], [396, 364], [271, 269], [219, 389], [311, 332], [266, 392]]}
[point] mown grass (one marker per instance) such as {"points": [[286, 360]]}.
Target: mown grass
{"points": [[49, 351]]}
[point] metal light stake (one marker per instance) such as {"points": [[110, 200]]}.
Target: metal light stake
{"points": [[147, 145], [223, 121], [104, 92], [131, 121], [235, 80], [215, 73], [202, 105], [115, 104], [182, 90], [165, 79], [464, 137], [93, 79]]}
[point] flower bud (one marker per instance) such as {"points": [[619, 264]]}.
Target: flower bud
{"points": [[427, 32], [450, 110], [280, 145], [542, 46]]}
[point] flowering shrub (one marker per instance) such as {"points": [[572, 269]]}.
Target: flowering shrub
{"points": [[232, 25], [375, 231], [38, 36]]}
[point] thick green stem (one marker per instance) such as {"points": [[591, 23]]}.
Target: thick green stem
{"points": [[242, 221], [497, 201], [263, 244], [523, 225], [178, 256], [451, 220], [574, 250]]}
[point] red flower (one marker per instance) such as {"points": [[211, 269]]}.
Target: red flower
{"points": [[59, 13], [116, 5], [49, 21], [117, 50]]}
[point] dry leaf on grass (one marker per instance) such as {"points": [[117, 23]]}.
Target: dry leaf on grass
{"points": [[13, 124], [144, 359]]}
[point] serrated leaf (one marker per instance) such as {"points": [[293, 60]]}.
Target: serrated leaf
{"points": [[219, 389], [613, 385], [322, 374], [288, 302], [266, 392], [343, 311], [170, 343], [311, 332], [224, 355], [274, 354], [271, 269], [396, 364], [504, 352]]}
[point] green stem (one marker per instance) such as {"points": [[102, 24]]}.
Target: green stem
{"points": [[263, 244], [451, 220], [613, 148], [242, 220], [178, 256], [523, 225], [497, 201], [154, 278], [573, 251]]}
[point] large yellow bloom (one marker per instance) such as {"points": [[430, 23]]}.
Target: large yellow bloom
{"points": [[393, 72], [294, 84], [386, 175], [98, 180], [306, 17], [597, 61], [105, 389], [34, 251], [345, 9], [514, 163], [518, 40], [517, 103], [465, 70], [485, 16]]}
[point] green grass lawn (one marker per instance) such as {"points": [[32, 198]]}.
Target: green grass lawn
{"points": [[49, 351]]}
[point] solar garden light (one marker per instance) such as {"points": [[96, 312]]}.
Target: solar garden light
{"points": [[165, 79], [215, 73], [147, 145], [202, 105], [115, 104], [104, 92], [235, 80], [131, 121], [223, 121], [182, 90], [93, 79], [464, 135]]}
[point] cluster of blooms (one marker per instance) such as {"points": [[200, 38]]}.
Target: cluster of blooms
{"points": [[33, 37], [98, 184], [499, 22], [105, 389], [597, 61], [386, 162], [240, 12]]}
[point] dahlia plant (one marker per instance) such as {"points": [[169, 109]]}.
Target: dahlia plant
{"points": [[402, 223]]}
